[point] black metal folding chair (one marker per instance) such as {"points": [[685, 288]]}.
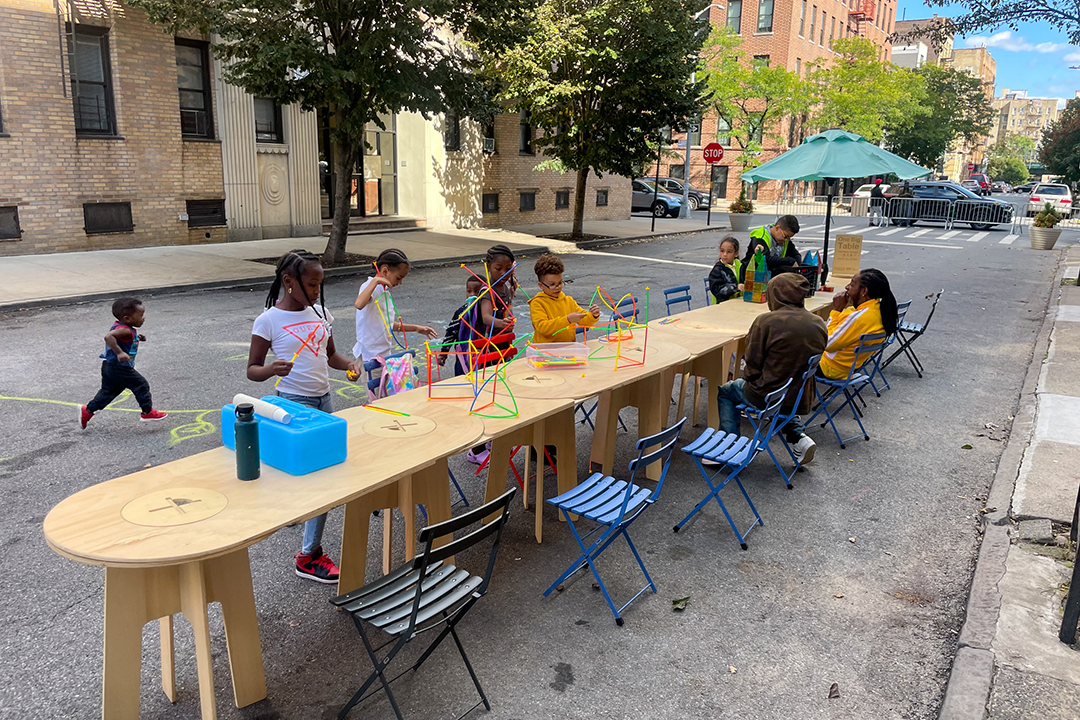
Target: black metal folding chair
{"points": [[423, 595], [908, 333]]}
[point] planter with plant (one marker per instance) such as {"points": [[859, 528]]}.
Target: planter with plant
{"points": [[1044, 230], [740, 213]]}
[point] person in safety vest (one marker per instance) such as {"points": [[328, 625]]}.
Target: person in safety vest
{"points": [[780, 253]]}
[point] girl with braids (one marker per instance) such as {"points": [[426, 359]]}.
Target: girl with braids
{"points": [[372, 338], [865, 306], [293, 327]]}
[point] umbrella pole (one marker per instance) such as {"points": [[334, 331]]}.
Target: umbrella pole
{"points": [[828, 222]]}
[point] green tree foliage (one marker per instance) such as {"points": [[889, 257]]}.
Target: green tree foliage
{"points": [[984, 15], [360, 58], [859, 93], [598, 79], [954, 107], [1060, 149], [752, 97]]}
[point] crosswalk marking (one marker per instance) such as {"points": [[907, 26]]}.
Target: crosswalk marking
{"points": [[913, 244], [919, 233], [1008, 240], [891, 232], [949, 235], [977, 237], [841, 228]]}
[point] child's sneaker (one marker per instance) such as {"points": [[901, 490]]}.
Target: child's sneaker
{"points": [[84, 416], [317, 566], [152, 415], [478, 458]]}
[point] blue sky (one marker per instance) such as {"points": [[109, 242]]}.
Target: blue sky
{"points": [[1033, 58]]}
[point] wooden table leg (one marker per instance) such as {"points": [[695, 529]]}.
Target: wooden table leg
{"points": [[712, 369], [538, 443], [352, 563], [431, 488], [129, 606], [168, 657], [193, 601], [228, 581], [646, 394], [607, 425], [498, 467], [561, 432]]}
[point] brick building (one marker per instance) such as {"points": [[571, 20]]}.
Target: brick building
{"points": [[790, 34], [912, 52], [1018, 114], [965, 158]]}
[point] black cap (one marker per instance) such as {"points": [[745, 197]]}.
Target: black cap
{"points": [[245, 409]]}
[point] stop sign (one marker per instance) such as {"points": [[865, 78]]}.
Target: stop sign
{"points": [[713, 153]]}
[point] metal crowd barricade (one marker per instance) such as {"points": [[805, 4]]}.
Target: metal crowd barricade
{"points": [[905, 211], [811, 205], [980, 212]]}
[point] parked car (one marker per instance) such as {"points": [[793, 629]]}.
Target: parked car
{"points": [[972, 185], [1023, 188], [1059, 197], [646, 198], [984, 183], [1002, 186], [696, 197], [864, 190], [937, 201]]}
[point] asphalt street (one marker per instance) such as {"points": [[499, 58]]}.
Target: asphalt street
{"points": [[858, 578]]}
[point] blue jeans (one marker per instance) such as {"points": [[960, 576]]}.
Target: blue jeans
{"points": [[313, 528], [730, 394]]}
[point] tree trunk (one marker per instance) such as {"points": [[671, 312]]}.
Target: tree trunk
{"points": [[339, 230], [579, 203]]}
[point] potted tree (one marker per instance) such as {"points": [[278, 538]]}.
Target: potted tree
{"points": [[1044, 230], [740, 213]]}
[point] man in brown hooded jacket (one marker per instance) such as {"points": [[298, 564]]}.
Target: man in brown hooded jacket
{"points": [[778, 347]]}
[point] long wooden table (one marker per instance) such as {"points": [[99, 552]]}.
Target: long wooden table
{"points": [[174, 538], [714, 335]]}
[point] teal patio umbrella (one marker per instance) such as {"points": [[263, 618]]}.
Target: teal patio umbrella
{"points": [[832, 155]]}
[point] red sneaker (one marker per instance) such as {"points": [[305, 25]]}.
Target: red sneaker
{"points": [[84, 416], [317, 566], [152, 415]]}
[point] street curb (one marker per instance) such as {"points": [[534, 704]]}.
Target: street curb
{"points": [[258, 281], [590, 244], [971, 677]]}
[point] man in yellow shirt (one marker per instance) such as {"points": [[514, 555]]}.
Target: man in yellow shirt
{"points": [[865, 306], [555, 315]]}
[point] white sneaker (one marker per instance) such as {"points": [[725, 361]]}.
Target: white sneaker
{"points": [[804, 450]]}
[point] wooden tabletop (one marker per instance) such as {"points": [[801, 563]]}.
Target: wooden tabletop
{"points": [[600, 373], [195, 508], [529, 410]]}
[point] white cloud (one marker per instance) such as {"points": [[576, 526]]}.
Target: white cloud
{"points": [[1073, 57], [1005, 40]]}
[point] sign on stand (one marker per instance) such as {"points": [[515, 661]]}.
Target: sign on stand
{"points": [[847, 256], [713, 153]]}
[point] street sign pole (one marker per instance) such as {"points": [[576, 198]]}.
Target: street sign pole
{"points": [[713, 153]]}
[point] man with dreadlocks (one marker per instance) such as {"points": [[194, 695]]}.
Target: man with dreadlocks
{"points": [[293, 327]]}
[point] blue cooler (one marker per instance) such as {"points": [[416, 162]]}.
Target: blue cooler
{"points": [[313, 440]]}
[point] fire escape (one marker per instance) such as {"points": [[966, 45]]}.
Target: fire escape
{"points": [[862, 12]]}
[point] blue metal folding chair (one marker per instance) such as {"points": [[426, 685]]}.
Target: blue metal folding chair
{"points": [[876, 371], [849, 387], [675, 296], [614, 504], [907, 333], [710, 299], [753, 414], [732, 453]]}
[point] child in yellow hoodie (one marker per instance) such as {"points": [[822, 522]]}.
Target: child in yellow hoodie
{"points": [[554, 313]]}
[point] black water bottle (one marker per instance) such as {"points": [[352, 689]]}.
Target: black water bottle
{"points": [[247, 443]]}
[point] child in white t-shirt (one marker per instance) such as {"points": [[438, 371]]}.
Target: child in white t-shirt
{"points": [[375, 311], [303, 345]]}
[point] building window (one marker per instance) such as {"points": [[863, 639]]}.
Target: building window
{"points": [[1, 120], [757, 127], [802, 18], [798, 67], [601, 198], [562, 199], [451, 132], [760, 61], [9, 223], [665, 135], [813, 22], [206, 213], [107, 218], [268, 121], [693, 135], [821, 36], [723, 131], [719, 181], [764, 15], [676, 171], [525, 134], [527, 201], [490, 203], [832, 32], [193, 82], [91, 82], [734, 15]]}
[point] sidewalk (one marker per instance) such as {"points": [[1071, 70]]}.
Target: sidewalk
{"points": [[1010, 664], [38, 280]]}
